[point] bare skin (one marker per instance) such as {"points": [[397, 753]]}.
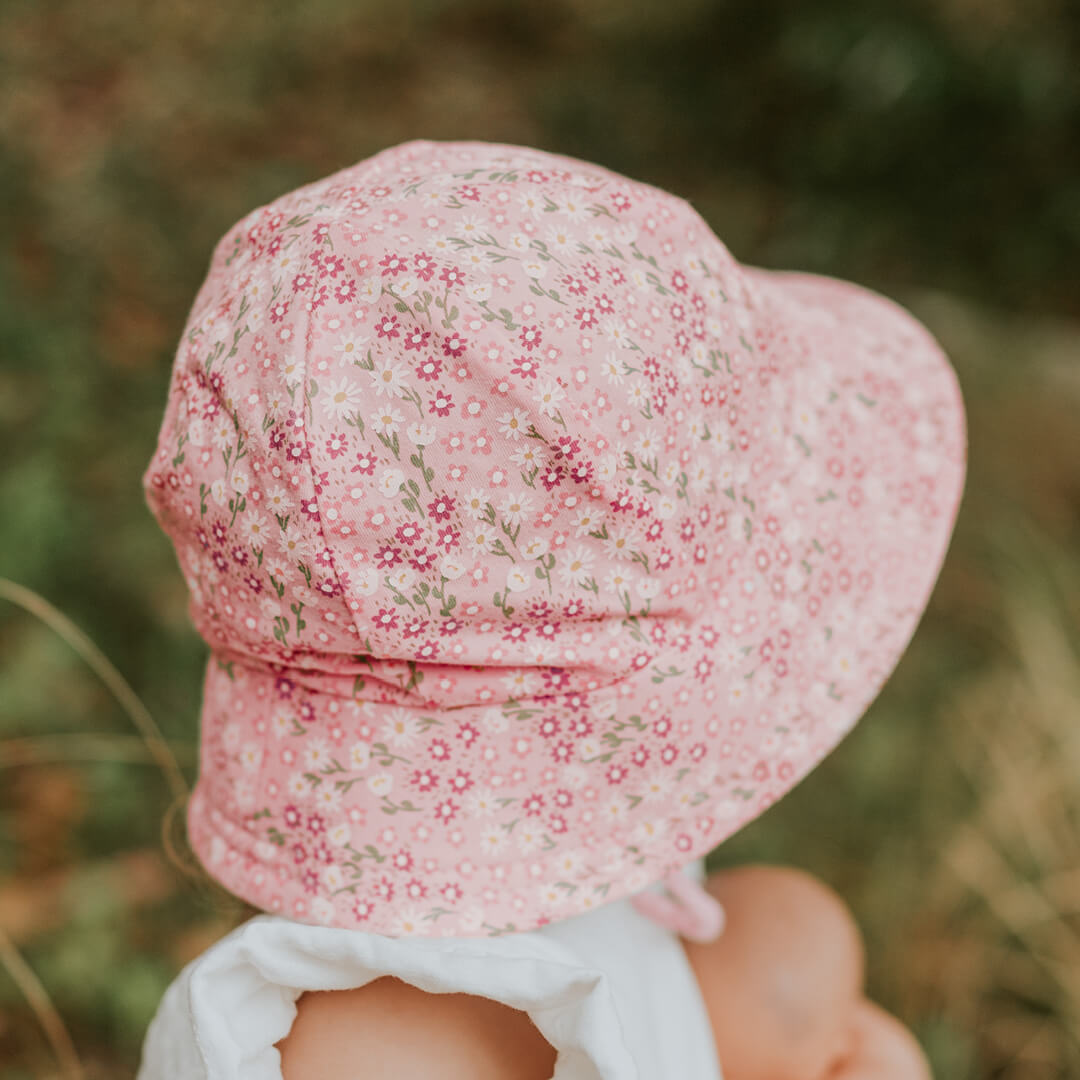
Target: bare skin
{"points": [[783, 987], [389, 1028]]}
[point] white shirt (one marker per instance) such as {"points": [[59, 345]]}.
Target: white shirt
{"points": [[611, 991]]}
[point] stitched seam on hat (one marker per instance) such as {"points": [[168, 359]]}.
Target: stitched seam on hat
{"points": [[311, 457]]}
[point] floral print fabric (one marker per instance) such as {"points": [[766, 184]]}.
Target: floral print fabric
{"points": [[538, 544]]}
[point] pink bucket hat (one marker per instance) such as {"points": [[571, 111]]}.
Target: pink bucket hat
{"points": [[538, 544]]}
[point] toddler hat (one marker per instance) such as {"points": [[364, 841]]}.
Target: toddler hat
{"points": [[538, 544]]}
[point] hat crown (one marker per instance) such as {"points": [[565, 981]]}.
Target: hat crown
{"points": [[448, 301]]}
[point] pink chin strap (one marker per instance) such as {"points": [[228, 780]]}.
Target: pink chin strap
{"points": [[688, 910]]}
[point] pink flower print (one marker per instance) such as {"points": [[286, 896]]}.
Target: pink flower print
{"points": [[424, 266], [581, 727], [446, 811], [302, 281], [526, 367], [605, 305], [452, 276], [470, 192], [461, 781], [295, 422], [330, 588], [448, 538], [453, 441], [616, 275], [387, 556], [616, 773], [365, 463], [439, 749], [279, 310], [414, 626], [586, 318], [531, 336], [392, 264], [556, 678], [468, 733], [481, 442], [422, 560], [454, 345], [362, 908], [679, 282], [291, 816], [474, 406], [549, 727], [425, 779], [319, 297], [410, 533], [430, 369], [428, 650], [417, 339], [345, 291], [387, 619], [451, 892], [563, 752], [552, 476], [621, 201], [387, 326], [440, 508], [442, 404], [335, 445], [582, 472], [640, 756]]}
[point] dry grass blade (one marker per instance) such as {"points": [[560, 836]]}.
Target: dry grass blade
{"points": [[1014, 736], [131, 749], [109, 675], [30, 986]]}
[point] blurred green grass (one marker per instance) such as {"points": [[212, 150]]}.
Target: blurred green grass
{"points": [[928, 149]]}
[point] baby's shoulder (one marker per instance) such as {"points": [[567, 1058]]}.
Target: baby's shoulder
{"points": [[399, 1030]]}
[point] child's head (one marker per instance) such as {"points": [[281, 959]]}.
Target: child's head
{"points": [[539, 545]]}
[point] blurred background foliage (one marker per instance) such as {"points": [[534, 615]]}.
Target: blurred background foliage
{"points": [[928, 148]]}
